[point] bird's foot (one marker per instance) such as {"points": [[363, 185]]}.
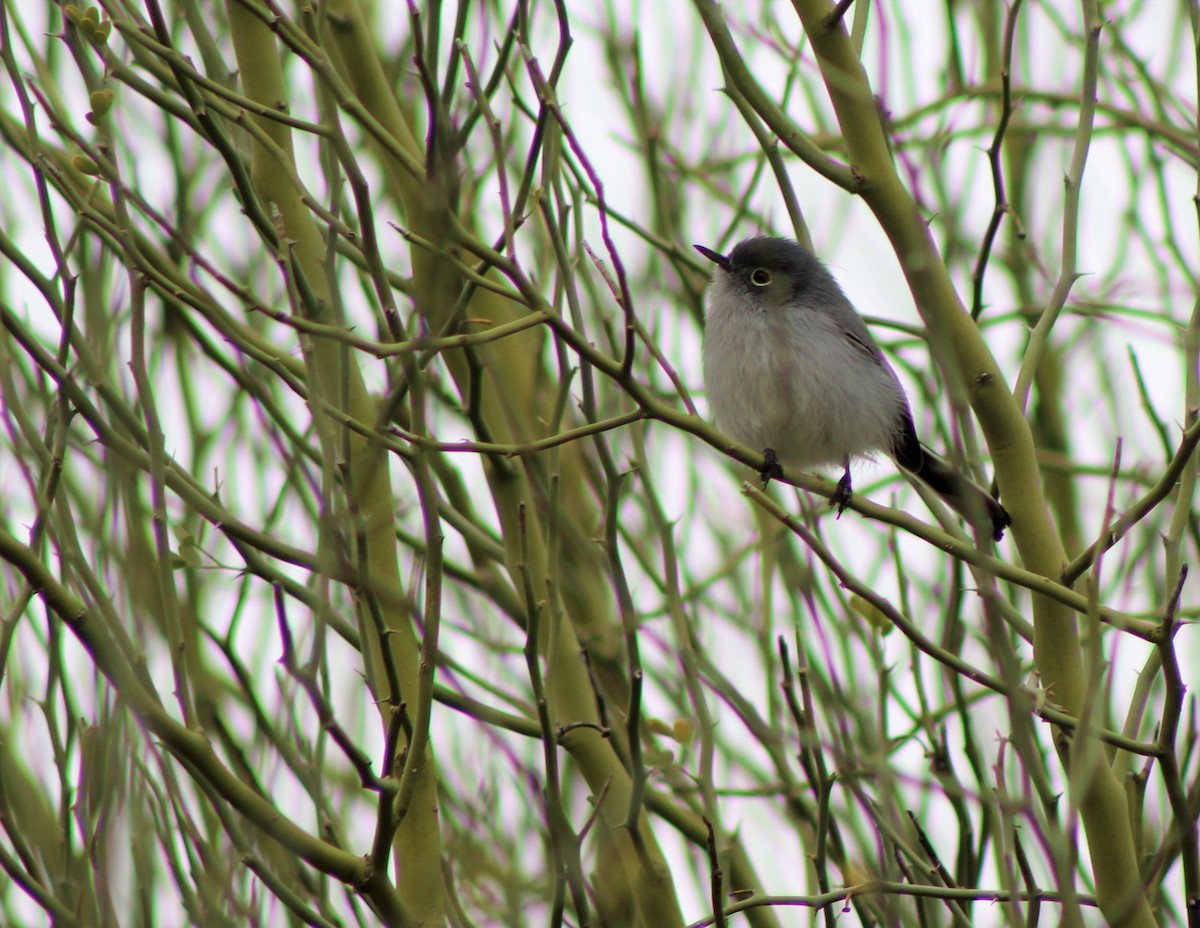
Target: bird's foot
{"points": [[771, 467], [841, 496]]}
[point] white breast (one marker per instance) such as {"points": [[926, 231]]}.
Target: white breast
{"points": [[798, 384]]}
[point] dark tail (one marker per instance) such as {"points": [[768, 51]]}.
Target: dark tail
{"points": [[968, 500]]}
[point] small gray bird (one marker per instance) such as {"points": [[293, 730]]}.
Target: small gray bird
{"points": [[791, 368]]}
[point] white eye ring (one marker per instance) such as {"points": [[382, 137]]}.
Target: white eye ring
{"points": [[760, 277]]}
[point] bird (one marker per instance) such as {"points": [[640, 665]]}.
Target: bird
{"points": [[790, 367]]}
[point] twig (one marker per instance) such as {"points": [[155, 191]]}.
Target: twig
{"points": [[995, 153]]}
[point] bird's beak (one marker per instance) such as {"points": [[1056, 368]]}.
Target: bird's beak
{"points": [[714, 256]]}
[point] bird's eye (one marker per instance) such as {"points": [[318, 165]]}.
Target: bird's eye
{"points": [[760, 277]]}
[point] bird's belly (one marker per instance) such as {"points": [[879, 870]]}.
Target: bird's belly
{"points": [[812, 408]]}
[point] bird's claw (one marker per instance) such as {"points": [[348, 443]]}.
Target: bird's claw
{"points": [[771, 467], [841, 496]]}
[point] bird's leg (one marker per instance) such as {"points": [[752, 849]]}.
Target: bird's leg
{"points": [[841, 496], [771, 467]]}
